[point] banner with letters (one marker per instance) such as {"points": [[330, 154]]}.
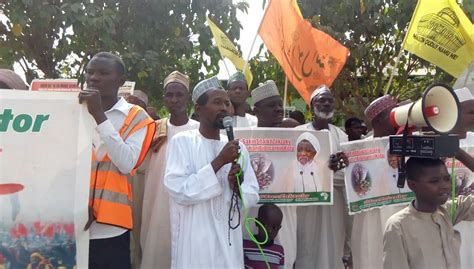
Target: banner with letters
{"points": [[371, 176], [45, 159], [291, 165]]}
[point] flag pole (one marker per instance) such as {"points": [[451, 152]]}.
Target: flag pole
{"points": [[225, 65], [285, 95], [397, 61], [254, 39]]}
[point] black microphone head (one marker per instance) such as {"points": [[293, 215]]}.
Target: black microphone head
{"points": [[227, 121], [312, 173], [301, 172]]}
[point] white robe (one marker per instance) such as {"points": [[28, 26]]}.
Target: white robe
{"points": [[466, 228], [247, 121], [321, 230], [200, 202], [155, 237]]}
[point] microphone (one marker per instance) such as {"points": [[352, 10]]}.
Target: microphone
{"points": [[302, 180], [227, 122], [314, 181]]}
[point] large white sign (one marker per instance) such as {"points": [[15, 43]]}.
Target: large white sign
{"points": [[45, 158], [290, 165]]}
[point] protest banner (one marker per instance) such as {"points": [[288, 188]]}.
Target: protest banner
{"points": [[45, 160], [290, 165], [72, 85], [463, 176], [371, 176]]}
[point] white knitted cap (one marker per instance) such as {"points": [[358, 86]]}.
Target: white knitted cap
{"points": [[264, 91], [204, 86]]}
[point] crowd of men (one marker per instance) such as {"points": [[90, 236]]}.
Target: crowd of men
{"points": [[167, 193]]}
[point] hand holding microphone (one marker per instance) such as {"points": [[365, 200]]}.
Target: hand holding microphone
{"points": [[230, 152]]}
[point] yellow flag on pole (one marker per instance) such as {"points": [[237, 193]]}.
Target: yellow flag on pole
{"points": [[229, 51], [442, 34]]}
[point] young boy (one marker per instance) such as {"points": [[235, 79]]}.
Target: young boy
{"points": [[270, 216], [422, 235]]}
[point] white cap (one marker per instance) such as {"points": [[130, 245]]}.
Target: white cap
{"points": [[319, 89], [204, 86], [311, 139], [464, 94], [264, 91], [141, 95]]}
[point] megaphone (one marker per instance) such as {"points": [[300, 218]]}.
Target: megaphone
{"points": [[438, 109]]}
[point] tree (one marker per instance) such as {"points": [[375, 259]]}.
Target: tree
{"points": [[154, 37]]}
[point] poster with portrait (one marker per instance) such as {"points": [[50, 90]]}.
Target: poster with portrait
{"points": [[463, 176], [371, 176], [45, 159], [291, 165]]}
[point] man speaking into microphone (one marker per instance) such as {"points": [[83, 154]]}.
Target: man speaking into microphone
{"points": [[201, 176]]}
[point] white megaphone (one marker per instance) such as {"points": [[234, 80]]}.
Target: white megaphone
{"points": [[438, 109]]}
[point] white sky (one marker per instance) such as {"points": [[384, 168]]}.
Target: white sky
{"points": [[250, 23]]}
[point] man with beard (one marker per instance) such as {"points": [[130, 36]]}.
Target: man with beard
{"points": [[330, 226], [238, 91], [155, 235], [202, 179]]}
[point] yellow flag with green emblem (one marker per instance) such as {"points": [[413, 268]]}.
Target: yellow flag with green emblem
{"points": [[441, 33], [228, 50]]}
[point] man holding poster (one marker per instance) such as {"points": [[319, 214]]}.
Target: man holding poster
{"points": [[328, 225], [123, 135]]}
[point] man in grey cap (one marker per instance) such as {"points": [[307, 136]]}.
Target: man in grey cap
{"points": [[238, 91], [201, 178]]}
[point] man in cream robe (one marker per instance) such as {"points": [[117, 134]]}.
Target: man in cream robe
{"points": [[155, 225], [201, 178], [368, 227], [323, 231]]}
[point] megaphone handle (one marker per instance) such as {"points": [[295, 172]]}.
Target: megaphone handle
{"points": [[401, 170]]}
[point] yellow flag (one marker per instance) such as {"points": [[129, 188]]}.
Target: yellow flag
{"points": [[297, 8], [442, 34], [228, 50]]}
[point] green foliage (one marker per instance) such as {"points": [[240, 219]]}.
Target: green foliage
{"points": [[154, 37]]}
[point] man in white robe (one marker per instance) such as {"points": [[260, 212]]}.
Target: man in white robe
{"points": [[238, 90], [368, 227], [465, 131], [201, 178], [155, 225], [324, 231]]}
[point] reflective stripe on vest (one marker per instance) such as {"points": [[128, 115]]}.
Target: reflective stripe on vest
{"points": [[111, 191]]}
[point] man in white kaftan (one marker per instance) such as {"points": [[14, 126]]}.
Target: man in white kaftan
{"points": [[323, 232], [201, 180], [155, 224]]}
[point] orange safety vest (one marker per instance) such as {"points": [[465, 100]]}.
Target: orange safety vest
{"points": [[110, 190]]}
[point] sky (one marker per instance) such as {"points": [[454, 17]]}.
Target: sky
{"points": [[250, 22]]}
